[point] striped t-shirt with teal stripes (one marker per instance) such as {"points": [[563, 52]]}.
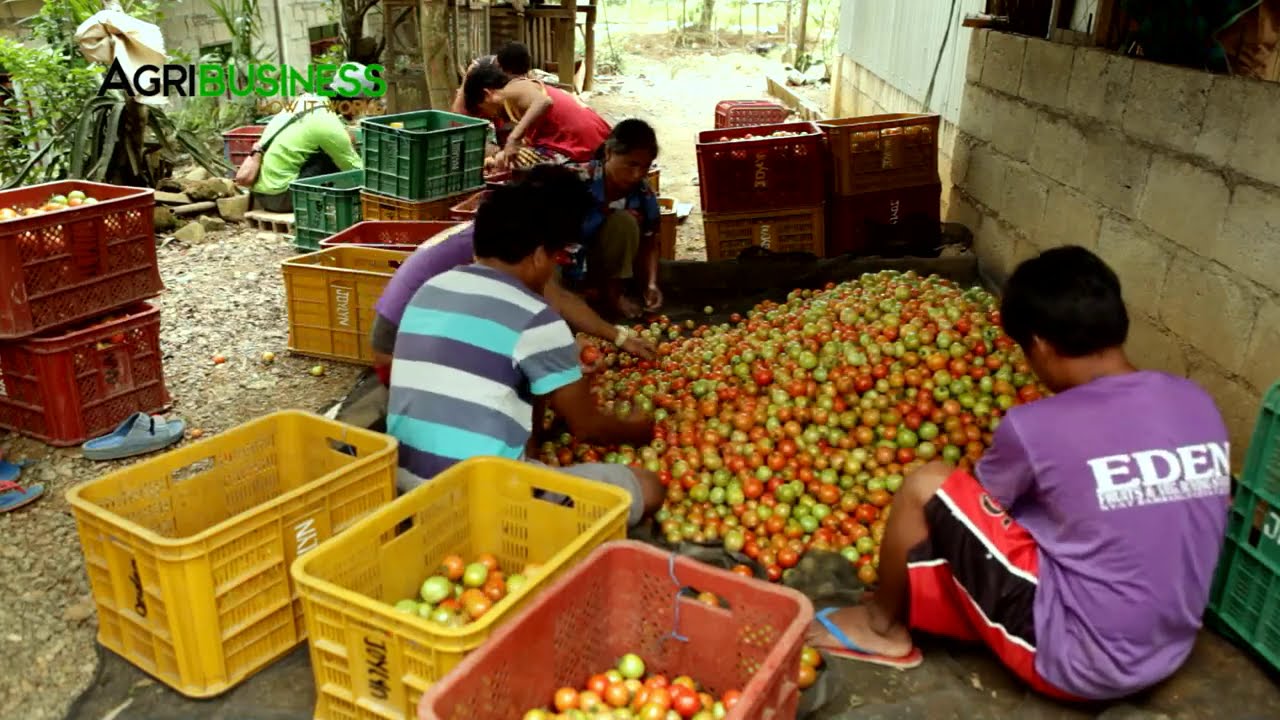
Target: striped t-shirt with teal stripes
{"points": [[474, 347]]}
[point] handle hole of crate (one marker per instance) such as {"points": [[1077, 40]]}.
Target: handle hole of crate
{"points": [[186, 472], [339, 446], [554, 498], [395, 264], [691, 593]]}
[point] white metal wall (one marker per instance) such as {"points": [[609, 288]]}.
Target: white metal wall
{"points": [[899, 40]]}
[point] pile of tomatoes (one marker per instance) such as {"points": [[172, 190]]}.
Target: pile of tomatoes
{"points": [[75, 198], [460, 593], [624, 691], [790, 429]]}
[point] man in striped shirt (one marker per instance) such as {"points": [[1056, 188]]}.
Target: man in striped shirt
{"points": [[478, 347]]}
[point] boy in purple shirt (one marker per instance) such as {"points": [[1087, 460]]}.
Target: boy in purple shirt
{"points": [[1083, 551]]}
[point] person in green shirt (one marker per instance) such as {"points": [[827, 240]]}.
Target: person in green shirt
{"points": [[318, 143]]}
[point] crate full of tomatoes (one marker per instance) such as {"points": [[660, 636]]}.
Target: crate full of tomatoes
{"points": [[754, 169]]}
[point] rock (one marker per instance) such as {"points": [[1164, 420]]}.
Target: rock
{"points": [[212, 223], [172, 198], [266, 237], [229, 187], [169, 185], [191, 233], [208, 189], [82, 610], [163, 219], [196, 174], [233, 208]]}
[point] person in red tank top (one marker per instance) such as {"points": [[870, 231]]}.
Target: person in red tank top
{"points": [[556, 126]]}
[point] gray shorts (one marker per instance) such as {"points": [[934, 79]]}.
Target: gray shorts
{"points": [[619, 476], [383, 335]]}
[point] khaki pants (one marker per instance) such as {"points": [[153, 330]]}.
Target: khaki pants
{"points": [[613, 254]]}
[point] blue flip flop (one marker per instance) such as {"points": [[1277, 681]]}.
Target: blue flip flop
{"points": [[139, 434], [14, 496], [12, 471], [849, 649]]}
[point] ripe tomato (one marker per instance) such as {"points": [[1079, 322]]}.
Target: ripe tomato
{"points": [[566, 699], [617, 695], [686, 704], [598, 684]]}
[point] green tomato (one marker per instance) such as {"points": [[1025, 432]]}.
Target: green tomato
{"points": [[475, 575], [631, 667], [515, 582], [437, 587], [408, 607]]}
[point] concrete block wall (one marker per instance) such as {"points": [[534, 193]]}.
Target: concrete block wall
{"points": [[191, 24], [1170, 174]]}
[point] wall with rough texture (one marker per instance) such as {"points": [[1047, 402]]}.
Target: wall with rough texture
{"points": [[1170, 174], [192, 24]]}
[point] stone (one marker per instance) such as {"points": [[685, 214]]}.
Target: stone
{"points": [[977, 51], [162, 219], [1183, 202], [210, 189], [169, 185], [212, 223], [1248, 241], [1046, 71], [81, 610], [1166, 104], [986, 176], [1013, 127], [1056, 149], [1203, 303], [1237, 402], [172, 198], [233, 208], [1222, 117], [1262, 359], [1070, 218], [1002, 62], [1099, 86], [1114, 171], [190, 233], [1256, 150], [196, 174], [1140, 258], [266, 237], [1024, 199], [1154, 347]]}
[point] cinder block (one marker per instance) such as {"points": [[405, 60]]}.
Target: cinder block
{"points": [[1140, 258], [977, 50], [998, 248], [961, 210], [976, 112], [1183, 202], [1210, 308], [1070, 219], [1024, 199], [1056, 149], [1257, 147], [1099, 84], [1250, 239], [960, 153], [1002, 62], [1222, 117], [986, 176], [1237, 403], [1155, 348], [1114, 170], [1166, 104], [1262, 361], [1013, 127], [1046, 67]]}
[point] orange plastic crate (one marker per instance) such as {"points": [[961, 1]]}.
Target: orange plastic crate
{"points": [[882, 152], [778, 231], [622, 599], [382, 207]]}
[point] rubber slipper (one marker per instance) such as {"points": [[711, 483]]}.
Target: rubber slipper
{"points": [[14, 496], [849, 649], [12, 471], [139, 434]]}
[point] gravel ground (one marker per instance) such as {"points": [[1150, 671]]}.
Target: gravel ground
{"points": [[224, 297]]}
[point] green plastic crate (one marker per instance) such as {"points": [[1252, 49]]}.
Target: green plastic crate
{"points": [[1246, 590], [435, 155], [324, 205]]}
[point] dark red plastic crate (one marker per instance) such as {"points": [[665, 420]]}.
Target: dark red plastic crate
{"points": [[622, 599], [744, 113], [66, 265], [390, 235], [66, 387], [466, 210], [761, 172], [238, 143]]}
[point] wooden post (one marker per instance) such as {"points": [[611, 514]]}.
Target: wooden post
{"points": [[437, 53], [589, 30], [801, 27], [566, 33]]}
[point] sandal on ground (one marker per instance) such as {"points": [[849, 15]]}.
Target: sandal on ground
{"points": [[849, 649], [139, 434], [14, 496]]}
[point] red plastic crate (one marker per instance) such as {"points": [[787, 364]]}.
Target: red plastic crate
{"points": [[621, 599], [63, 266], [761, 173], [898, 221], [744, 113], [64, 388], [404, 236], [238, 143], [466, 210]]}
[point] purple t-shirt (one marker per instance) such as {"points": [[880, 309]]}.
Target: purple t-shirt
{"points": [[424, 264], [1124, 485]]}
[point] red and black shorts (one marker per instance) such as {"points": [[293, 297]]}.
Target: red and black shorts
{"points": [[975, 578]]}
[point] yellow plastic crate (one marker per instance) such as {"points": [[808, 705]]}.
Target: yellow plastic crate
{"points": [[373, 663], [330, 296], [188, 552]]}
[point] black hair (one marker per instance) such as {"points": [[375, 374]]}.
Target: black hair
{"points": [[1068, 297], [544, 209], [514, 58], [482, 78], [629, 136]]}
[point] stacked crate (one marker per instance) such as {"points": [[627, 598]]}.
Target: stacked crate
{"points": [[79, 350], [762, 187], [885, 194]]}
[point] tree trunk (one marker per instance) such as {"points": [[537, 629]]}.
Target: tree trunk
{"points": [[358, 47], [708, 15]]}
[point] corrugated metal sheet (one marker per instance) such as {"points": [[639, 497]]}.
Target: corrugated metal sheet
{"points": [[899, 40]]}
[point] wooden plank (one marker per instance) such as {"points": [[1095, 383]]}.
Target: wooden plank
{"points": [[566, 34], [1104, 18]]}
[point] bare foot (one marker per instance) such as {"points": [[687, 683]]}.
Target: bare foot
{"points": [[856, 623], [628, 308]]}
